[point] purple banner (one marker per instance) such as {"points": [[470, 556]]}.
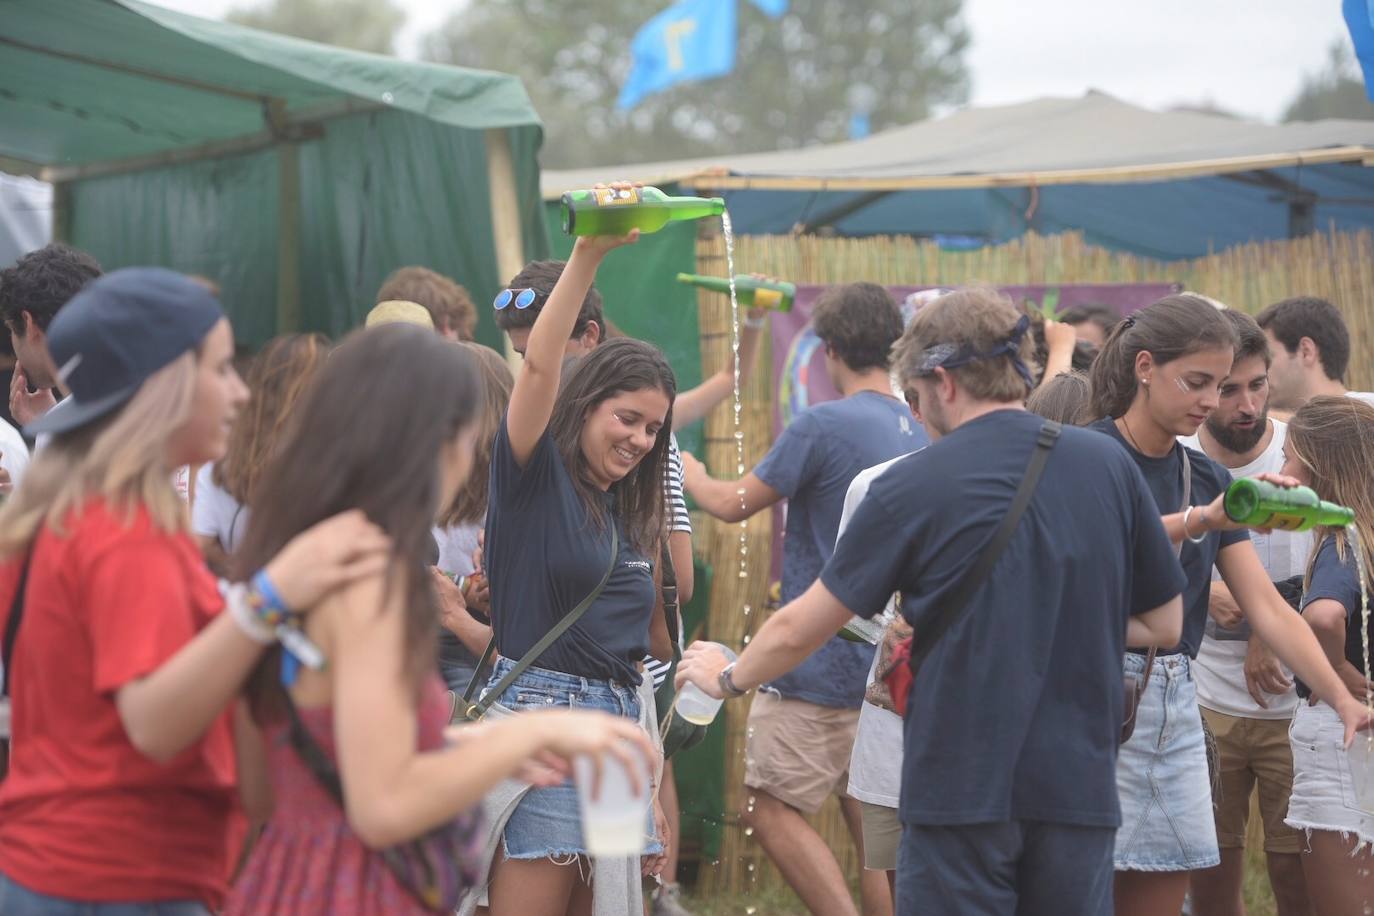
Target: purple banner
{"points": [[799, 376]]}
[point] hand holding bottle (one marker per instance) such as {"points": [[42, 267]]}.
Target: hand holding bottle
{"points": [[1213, 516]]}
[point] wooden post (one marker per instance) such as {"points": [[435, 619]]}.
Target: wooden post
{"points": [[288, 238], [506, 234]]}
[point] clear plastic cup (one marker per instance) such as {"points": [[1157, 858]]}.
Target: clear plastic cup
{"points": [[696, 705], [613, 823], [1361, 758]]}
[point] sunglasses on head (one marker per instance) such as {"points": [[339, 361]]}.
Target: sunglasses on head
{"points": [[523, 298]]}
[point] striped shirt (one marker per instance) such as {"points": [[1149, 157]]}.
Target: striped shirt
{"points": [[678, 520]]}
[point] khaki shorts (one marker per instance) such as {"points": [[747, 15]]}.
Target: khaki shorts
{"points": [[1250, 752], [798, 752], [882, 836]]}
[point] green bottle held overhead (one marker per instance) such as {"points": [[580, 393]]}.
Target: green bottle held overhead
{"points": [[750, 291], [615, 211], [1260, 504]]}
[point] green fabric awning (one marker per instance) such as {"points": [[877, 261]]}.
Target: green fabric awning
{"points": [[90, 81], [294, 174]]}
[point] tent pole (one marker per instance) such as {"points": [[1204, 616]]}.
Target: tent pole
{"points": [[288, 238], [506, 234], [62, 211]]}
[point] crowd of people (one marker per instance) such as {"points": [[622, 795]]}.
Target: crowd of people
{"points": [[328, 640]]}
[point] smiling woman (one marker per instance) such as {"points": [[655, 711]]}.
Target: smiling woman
{"points": [[576, 511]]}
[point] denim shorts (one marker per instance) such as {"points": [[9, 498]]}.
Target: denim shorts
{"points": [[1162, 778], [17, 900], [1323, 796], [548, 822]]}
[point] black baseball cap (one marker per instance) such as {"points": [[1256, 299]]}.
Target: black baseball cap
{"points": [[119, 330]]}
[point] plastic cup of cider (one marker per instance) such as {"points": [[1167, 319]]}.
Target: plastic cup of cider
{"points": [[694, 704], [612, 822]]}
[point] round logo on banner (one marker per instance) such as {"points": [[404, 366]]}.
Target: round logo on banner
{"points": [[794, 394]]}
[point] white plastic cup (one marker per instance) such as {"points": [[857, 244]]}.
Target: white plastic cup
{"points": [[613, 822], [1361, 759], [696, 705]]}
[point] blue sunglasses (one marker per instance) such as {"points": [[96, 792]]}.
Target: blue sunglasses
{"points": [[524, 298]]}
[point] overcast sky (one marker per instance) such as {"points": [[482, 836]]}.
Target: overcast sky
{"points": [[1248, 56]]}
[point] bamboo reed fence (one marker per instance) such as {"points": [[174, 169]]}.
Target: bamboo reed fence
{"points": [[1335, 266]]}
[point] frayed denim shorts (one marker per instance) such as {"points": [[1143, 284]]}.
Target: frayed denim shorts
{"points": [[1323, 795], [1161, 776], [547, 823]]}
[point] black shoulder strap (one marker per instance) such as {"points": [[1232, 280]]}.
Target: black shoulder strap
{"points": [[476, 710], [926, 637], [668, 579], [12, 624]]}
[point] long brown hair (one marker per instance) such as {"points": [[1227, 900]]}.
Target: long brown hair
{"points": [[276, 379], [358, 440], [1168, 329], [1334, 437], [470, 505], [616, 366]]}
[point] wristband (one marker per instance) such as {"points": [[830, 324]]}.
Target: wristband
{"points": [[240, 606], [1201, 537], [267, 599]]}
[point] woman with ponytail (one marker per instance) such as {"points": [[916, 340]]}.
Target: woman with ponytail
{"points": [[1158, 377]]}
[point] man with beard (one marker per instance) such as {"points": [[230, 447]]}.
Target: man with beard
{"points": [[1246, 695]]}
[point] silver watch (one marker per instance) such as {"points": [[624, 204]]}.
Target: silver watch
{"points": [[727, 683]]}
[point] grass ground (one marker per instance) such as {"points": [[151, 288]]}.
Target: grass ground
{"points": [[780, 901]]}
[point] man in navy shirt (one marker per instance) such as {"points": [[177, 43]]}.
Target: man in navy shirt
{"points": [[801, 729], [1008, 797]]}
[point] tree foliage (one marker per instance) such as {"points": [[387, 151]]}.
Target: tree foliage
{"points": [[796, 81], [1337, 91], [363, 25]]}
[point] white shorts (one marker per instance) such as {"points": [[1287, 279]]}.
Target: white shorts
{"points": [[1323, 791]]}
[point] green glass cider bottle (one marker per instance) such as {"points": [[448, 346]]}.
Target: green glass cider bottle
{"points": [[1260, 504], [615, 211], [750, 291]]}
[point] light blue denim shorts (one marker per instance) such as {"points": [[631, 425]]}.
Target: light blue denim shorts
{"points": [[548, 822], [18, 900], [1161, 776]]}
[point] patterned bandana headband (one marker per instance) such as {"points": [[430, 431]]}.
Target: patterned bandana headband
{"points": [[951, 356]]}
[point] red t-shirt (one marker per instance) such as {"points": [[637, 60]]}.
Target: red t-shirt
{"points": [[82, 813]]}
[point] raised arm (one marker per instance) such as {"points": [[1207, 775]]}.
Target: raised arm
{"points": [[690, 406], [536, 387]]}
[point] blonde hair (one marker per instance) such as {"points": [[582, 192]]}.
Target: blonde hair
{"points": [[121, 459], [470, 504], [1333, 437]]}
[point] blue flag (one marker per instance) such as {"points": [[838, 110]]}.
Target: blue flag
{"points": [[1359, 18], [690, 40], [771, 8]]}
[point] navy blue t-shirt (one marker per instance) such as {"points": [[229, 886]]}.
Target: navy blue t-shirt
{"points": [[544, 555], [1016, 713], [1165, 479], [1339, 580], [812, 464]]}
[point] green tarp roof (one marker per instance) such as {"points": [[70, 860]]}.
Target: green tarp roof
{"points": [[90, 81]]}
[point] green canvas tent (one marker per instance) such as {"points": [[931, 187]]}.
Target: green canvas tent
{"points": [[295, 175]]}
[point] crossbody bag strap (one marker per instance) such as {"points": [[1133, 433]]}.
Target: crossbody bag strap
{"points": [[12, 624], [671, 607], [926, 637], [548, 639]]}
